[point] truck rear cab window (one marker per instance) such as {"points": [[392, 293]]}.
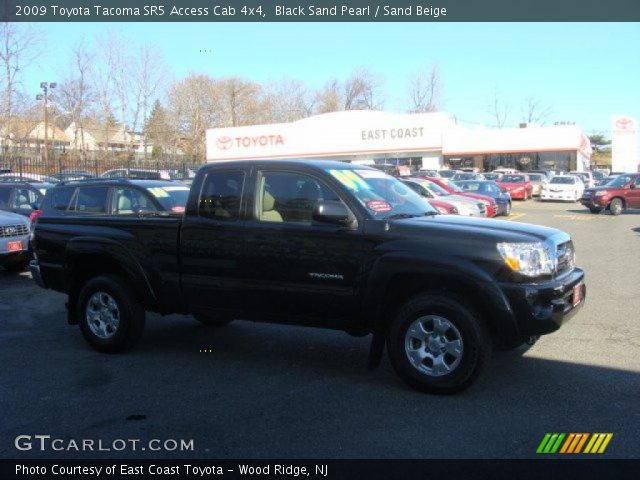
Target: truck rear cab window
{"points": [[91, 200], [130, 201], [221, 195], [58, 198]]}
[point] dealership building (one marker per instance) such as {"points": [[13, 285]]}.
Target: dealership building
{"points": [[424, 140]]}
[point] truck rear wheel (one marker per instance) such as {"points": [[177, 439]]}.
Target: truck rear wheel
{"points": [[111, 318], [436, 344]]}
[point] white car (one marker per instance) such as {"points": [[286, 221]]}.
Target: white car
{"points": [[586, 177], [563, 187]]}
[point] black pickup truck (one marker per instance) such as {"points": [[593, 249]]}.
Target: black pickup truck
{"points": [[317, 243]]}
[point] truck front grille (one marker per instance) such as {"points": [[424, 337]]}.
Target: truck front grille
{"points": [[13, 231]]}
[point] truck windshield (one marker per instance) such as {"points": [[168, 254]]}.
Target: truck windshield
{"points": [[382, 195]]}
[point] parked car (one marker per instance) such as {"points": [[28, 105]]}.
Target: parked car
{"points": [[14, 241], [621, 193], [609, 179], [586, 177], [563, 187], [467, 176], [27, 177], [452, 188], [506, 171], [519, 186], [447, 173], [22, 197], [495, 176], [117, 197], [547, 173], [598, 177], [445, 208], [316, 243], [489, 189], [68, 175], [538, 180], [137, 174], [429, 173], [431, 191]]}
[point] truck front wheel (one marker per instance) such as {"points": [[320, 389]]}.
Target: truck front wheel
{"points": [[436, 344], [111, 318]]}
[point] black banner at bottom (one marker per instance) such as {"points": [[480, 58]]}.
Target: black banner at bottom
{"points": [[544, 468]]}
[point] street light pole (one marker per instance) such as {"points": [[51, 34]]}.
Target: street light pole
{"points": [[45, 86]]}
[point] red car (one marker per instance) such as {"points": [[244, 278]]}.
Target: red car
{"points": [[443, 207], [451, 187], [519, 186]]}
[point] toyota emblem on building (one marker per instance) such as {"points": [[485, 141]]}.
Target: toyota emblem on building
{"points": [[224, 143], [624, 123]]}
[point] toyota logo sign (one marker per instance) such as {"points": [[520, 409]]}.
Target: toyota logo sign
{"points": [[224, 143], [624, 123], [10, 231]]}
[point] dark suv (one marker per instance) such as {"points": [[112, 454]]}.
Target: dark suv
{"points": [[22, 197], [621, 193]]}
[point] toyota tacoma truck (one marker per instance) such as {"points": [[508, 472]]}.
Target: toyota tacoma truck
{"points": [[315, 243]]}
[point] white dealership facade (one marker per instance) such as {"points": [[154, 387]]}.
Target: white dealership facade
{"points": [[425, 140]]}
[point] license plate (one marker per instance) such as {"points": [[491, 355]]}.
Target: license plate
{"points": [[14, 246], [577, 294]]}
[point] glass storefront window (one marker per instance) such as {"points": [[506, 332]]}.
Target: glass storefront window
{"points": [[525, 161]]}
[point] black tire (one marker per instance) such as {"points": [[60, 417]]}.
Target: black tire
{"points": [[595, 209], [17, 266], [508, 210], [476, 344], [616, 207], [130, 314], [213, 321]]}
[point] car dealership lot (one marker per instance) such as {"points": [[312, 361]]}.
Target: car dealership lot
{"points": [[250, 390]]}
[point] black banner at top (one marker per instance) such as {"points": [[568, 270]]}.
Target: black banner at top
{"points": [[320, 11]]}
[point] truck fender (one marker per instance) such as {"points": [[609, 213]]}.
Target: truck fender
{"points": [[442, 273], [109, 252]]}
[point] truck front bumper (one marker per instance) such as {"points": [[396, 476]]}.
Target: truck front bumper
{"points": [[541, 308]]}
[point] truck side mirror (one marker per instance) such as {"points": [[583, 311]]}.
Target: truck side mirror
{"points": [[332, 212]]}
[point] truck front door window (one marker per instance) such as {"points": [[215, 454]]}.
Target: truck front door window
{"points": [[221, 194]]}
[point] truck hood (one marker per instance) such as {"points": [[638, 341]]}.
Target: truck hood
{"points": [[470, 230], [10, 218]]}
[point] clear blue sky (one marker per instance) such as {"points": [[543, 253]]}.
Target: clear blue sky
{"points": [[584, 72]]}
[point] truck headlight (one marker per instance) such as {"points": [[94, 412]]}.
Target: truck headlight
{"points": [[529, 259]]}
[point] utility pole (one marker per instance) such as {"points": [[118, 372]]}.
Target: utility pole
{"points": [[45, 86]]}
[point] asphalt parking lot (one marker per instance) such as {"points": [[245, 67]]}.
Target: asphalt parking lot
{"points": [[264, 391]]}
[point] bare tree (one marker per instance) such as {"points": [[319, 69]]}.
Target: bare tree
{"points": [[498, 109], [287, 100], [104, 84], [534, 111], [241, 101], [361, 91], [194, 106], [75, 95], [18, 48], [425, 91], [329, 99]]}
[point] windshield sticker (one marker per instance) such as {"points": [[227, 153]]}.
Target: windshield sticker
{"points": [[43, 190], [158, 192], [349, 179], [378, 206]]}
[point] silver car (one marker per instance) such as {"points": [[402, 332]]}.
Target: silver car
{"points": [[466, 206], [14, 241]]}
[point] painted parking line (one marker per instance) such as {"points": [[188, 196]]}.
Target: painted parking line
{"points": [[516, 216], [580, 216]]}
